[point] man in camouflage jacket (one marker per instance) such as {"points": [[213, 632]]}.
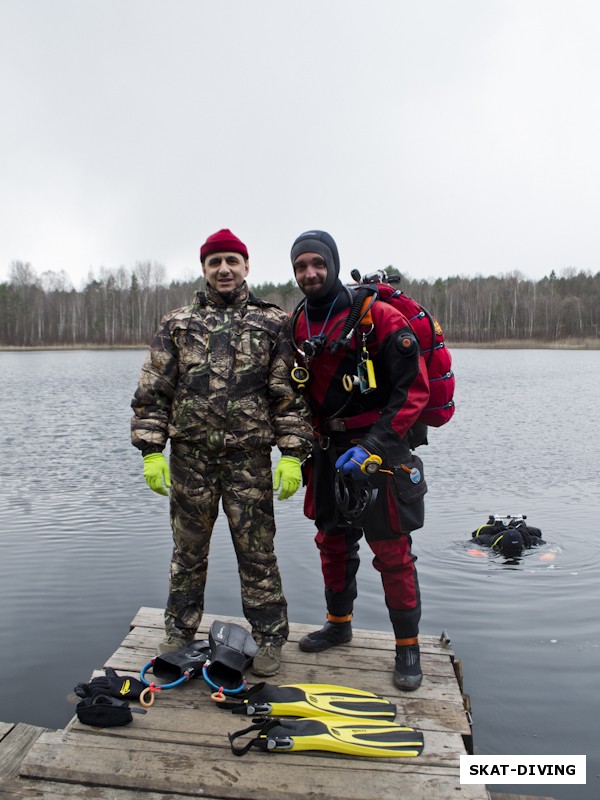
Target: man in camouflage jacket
{"points": [[216, 383]]}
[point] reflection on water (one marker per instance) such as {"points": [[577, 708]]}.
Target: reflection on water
{"points": [[85, 543]]}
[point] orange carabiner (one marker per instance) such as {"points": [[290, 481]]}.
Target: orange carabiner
{"points": [[219, 696], [149, 690]]}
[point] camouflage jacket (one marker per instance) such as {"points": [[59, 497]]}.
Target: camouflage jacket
{"points": [[217, 378]]}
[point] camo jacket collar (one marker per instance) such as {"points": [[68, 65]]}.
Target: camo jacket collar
{"points": [[238, 297]]}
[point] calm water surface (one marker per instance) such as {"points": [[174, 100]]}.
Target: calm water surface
{"points": [[85, 543]]}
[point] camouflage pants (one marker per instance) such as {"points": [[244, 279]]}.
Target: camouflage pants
{"points": [[244, 484]]}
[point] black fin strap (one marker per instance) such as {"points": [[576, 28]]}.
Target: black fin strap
{"points": [[260, 744], [249, 707], [241, 704], [234, 707]]}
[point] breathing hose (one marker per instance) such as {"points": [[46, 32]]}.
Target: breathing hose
{"points": [[354, 316]]}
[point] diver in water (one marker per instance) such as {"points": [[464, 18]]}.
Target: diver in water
{"points": [[509, 535]]}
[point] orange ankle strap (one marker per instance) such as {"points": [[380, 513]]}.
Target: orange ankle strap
{"points": [[412, 640], [331, 618]]}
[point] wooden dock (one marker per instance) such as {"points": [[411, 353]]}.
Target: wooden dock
{"points": [[179, 749]]}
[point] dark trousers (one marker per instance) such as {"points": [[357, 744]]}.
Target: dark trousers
{"points": [[386, 529]]}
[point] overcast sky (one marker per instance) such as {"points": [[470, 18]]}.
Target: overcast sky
{"points": [[444, 137]]}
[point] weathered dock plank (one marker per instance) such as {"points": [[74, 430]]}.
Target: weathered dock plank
{"points": [[165, 766], [5, 728], [26, 789], [503, 796], [15, 741], [180, 747]]}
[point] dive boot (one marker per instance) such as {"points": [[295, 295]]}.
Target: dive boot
{"points": [[407, 672], [330, 635]]}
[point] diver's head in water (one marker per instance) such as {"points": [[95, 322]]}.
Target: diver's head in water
{"points": [[509, 543]]}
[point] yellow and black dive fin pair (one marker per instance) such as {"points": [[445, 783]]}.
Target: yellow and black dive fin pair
{"points": [[309, 700], [357, 737]]}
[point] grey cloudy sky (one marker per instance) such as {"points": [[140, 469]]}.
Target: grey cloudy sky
{"points": [[442, 136]]}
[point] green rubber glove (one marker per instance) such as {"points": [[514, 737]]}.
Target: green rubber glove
{"points": [[157, 473], [289, 475]]}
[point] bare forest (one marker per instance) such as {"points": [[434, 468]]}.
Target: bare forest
{"points": [[123, 307]]}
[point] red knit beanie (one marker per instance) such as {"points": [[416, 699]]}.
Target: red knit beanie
{"points": [[223, 241]]}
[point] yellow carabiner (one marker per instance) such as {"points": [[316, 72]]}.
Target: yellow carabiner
{"points": [[300, 377], [348, 382], [371, 465]]}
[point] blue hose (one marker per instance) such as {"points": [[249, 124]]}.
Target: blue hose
{"points": [[214, 685], [147, 666]]}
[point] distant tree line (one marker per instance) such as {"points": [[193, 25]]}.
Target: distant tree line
{"points": [[123, 307]]}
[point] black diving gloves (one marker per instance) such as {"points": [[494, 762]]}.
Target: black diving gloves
{"points": [[123, 687]]}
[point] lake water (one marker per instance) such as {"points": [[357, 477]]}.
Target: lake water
{"points": [[85, 543]]}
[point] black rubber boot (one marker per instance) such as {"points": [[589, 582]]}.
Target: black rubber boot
{"points": [[330, 635], [407, 674]]}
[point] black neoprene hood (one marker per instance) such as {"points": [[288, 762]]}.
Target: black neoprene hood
{"points": [[322, 243]]}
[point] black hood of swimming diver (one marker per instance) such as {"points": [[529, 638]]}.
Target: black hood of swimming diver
{"points": [[509, 543], [322, 243]]}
